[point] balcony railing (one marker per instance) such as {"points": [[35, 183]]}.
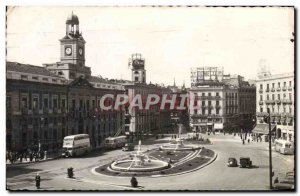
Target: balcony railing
{"points": [[260, 91], [287, 101], [284, 88], [268, 102], [267, 90], [278, 101], [272, 89], [278, 89], [261, 102], [290, 88]]}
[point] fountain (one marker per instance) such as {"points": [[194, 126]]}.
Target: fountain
{"points": [[139, 162], [179, 146]]}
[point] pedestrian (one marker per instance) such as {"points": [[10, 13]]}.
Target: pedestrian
{"points": [[37, 181], [31, 157], [276, 180], [133, 181], [248, 141], [243, 141]]}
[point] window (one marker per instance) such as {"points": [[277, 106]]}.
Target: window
{"points": [[267, 97], [217, 102], [284, 95], [24, 102], [24, 77], [273, 85], [284, 84], [35, 103], [273, 97], [261, 86], [261, 97], [35, 77], [136, 79], [203, 103], [261, 109], [54, 80], [203, 94], [267, 86], [209, 103], [278, 96], [45, 79], [217, 94], [73, 103], [284, 109], [54, 103], [278, 84], [209, 94], [290, 83], [63, 103], [290, 96], [203, 111], [217, 111]]}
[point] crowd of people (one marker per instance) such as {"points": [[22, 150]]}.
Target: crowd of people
{"points": [[25, 156]]}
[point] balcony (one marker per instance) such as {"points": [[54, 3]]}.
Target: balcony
{"points": [[261, 102], [36, 111], [45, 110], [278, 101], [268, 102], [260, 91], [56, 110], [218, 97], [287, 101], [272, 89], [290, 88], [284, 88], [278, 89], [267, 90], [218, 107], [199, 115]]}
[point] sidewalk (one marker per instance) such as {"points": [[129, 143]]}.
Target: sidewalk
{"points": [[27, 160]]}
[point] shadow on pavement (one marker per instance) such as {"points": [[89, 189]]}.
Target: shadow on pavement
{"points": [[16, 171]]}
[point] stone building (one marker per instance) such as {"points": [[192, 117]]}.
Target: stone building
{"points": [[226, 102], [276, 93]]}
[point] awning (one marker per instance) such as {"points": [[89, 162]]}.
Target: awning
{"points": [[209, 123], [263, 128], [218, 126]]}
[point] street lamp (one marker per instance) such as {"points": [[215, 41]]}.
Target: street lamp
{"points": [[267, 119], [39, 142]]}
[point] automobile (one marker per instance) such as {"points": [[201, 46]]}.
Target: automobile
{"points": [[128, 147], [232, 162], [245, 162], [284, 186]]}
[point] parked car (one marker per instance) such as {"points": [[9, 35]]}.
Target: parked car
{"points": [[284, 186], [245, 162], [232, 162], [128, 147]]}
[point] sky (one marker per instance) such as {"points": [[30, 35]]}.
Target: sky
{"points": [[172, 40]]}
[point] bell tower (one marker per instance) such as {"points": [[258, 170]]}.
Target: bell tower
{"points": [[138, 68], [72, 45]]}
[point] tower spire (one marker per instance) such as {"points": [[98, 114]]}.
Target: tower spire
{"points": [[174, 83]]}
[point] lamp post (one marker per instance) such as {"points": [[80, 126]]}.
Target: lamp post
{"points": [[39, 142], [270, 148]]}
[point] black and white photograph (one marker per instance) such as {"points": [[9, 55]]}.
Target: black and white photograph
{"points": [[150, 98]]}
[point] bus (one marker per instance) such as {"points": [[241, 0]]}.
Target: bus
{"points": [[284, 147], [115, 142], [76, 145]]}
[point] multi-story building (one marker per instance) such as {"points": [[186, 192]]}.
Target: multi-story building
{"points": [[153, 120], [44, 104], [276, 93], [222, 102]]}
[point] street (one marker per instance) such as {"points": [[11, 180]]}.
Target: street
{"points": [[215, 176]]}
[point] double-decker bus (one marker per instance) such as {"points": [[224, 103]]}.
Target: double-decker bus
{"points": [[76, 145]]}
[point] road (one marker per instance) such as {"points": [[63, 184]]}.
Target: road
{"points": [[216, 176]]}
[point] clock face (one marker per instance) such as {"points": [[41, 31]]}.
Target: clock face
{"points": [[68, 51], [80, 51]]}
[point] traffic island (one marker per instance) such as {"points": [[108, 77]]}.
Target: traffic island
{"points": [[178, 162]]}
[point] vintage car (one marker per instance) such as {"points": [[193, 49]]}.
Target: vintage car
{"points": [[232, 162], [245, 162], [128, 147]]}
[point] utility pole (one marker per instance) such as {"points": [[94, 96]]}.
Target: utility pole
{"points": [[270, 148]]}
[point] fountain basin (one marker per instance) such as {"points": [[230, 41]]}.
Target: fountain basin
{"points": [[149, 166]]}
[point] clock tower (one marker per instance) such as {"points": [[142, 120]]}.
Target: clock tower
{"points": [[72, 44], [138, 68]]}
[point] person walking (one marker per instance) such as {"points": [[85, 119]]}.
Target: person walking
{"points": [[133, 181], [37, 181]]}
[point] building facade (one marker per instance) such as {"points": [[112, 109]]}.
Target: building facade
{"points": [[44, 104], [276, 93], [225, 102], [142, 121]]}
